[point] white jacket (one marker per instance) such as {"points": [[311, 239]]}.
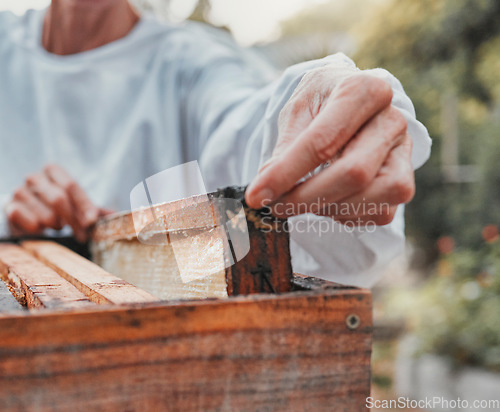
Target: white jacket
{"points": [[163, 95]]}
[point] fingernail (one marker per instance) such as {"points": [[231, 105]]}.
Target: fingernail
{"points": [[263, 197]]}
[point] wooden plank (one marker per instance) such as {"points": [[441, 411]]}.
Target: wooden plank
{"points": [[97, 284], [125, 225], [41, 286], [7, 301], [267, 267], [284, 352]]}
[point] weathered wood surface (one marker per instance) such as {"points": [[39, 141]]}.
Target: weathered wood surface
{"points": [[132, 261], [42, 286], [267, 267], [7, 301], [193, 264], [125, 225], [93, 281], [288, 352], [156, 267]]}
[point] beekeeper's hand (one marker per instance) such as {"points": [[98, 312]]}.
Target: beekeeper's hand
{"points": [[343, 119], [51, 199]]}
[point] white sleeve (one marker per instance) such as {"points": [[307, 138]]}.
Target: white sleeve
{"points": [[238, 130], [4, 226]]}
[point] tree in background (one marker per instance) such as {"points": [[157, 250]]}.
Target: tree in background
{"points": [[445, 52], [437, 48]]}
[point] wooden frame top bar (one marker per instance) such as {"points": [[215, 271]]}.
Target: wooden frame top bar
{"points": [[42, 286], [124, 225], [97, 284]]}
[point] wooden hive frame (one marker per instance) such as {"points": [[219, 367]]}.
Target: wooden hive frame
{"points": [[114, 347]]}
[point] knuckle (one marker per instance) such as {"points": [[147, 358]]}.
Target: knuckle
{"points": [[49, 219], [32, 227], [50, 168], [20, 194], [378, 89], [321, 148], [322, 142], [351, 84], [397, 120], [71, 186], [33, 179], [372, 87], [357, 175], [17, 217], [403, 190], [57, 199]]}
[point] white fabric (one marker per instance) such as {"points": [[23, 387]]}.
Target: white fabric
{"points": [[164, 95]]}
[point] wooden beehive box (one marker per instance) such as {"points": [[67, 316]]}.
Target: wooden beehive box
{"points": [[91, 341]]}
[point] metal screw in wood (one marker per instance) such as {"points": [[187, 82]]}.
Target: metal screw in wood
{"points": [[353, 321]]}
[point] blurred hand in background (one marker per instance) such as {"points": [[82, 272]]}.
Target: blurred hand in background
{"points": [[52, 199]]}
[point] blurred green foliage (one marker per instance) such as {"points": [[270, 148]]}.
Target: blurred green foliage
{"points": [[459, 309], [438, 47], [454, 314]]}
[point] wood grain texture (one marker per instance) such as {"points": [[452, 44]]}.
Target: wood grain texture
{"points": [[97, 284], [42, 286], [178, 267], [194, 264], [267, 267], [288, 352], [154, 268]]}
